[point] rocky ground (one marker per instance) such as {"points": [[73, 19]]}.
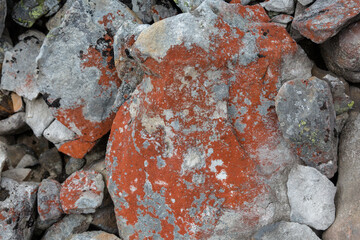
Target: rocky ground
{"points": [[179, 119]]}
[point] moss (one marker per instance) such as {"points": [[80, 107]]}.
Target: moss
{"points": [[351, 104], [36, 12]]}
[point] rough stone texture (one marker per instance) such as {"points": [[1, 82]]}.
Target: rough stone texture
{"points": [[73, 165], [81, 91], [19, 67], [17, 174], [311, 196], [196, 152], [160, 12], [307, 119], [142, 9], [82, 192], [3, 156], [56, 132], [5, 45], [16, 152], [305, 2], [355, 96], [17, 209], [6, 106], [104, 219], [282, 19], [3, 11], [326, 18], [51, 161], [38, 115], [283, 6], [57, 19], [188, 5], [285, 231], [341, 53], [48, 200], [95, 235], [347, 221], [70, 224], [27, 161], [13, 124], [26, 12]]}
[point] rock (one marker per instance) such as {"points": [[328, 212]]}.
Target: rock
{"points": [[282, 6], [27, 160], [98, 166], [70, 224], [48, 200], [57, 19], [305, 2], [324, 19], [5, 45], [196, 152], [347, 221], [94, 235], [82, 192], [56, 132], [83, 99], [104, 219], [340, 53], [355, 96], [340, 121], [38, 116], [3, 11], [160, 12], [17, 102], [3, 157], [17, 174], [311, 196], [38, 174], [26, 12], [6, 106], [307, 119], [51, 161], [285, 231], [37, 144], [16, 152], [142, 8], [282, 19], [188, 5], [14, 124], [17, 209], [18, 73], [73, 165]]}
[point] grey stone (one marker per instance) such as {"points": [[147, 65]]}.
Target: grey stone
{"points": [[3, 11], [38, 145], [51, 162], [311, 196], [282, 19], [48, 200], [94, 235], [56, 132], [16, 152], [17, 209], [14, 124], [17, 174], [355, 96], [5, 45], [285, 231], [105, 220], [160, 12], [307, 120], [305, 2], [26, 12], [73, 165], [283, 6], [38, 115], [70, 224], [57, 19], [295, 34], [142, 8], [27, 160], [188, 5], [3, 157]]}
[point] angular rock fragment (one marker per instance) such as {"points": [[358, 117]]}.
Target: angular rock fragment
{"points": [[17, 102], [160, 12], [305, 2], [51, 161], [13, 124], [57, 19], [188, 5], [282, 6], [81, 92], [94, 235], [27, 161], [104, 219], [3, 11], [5, 45], [38, 115], [16, 152], [307, 119], [73, 165], [325, 18], [196, 151], [48, 200], [17, 203], [57, 133], [311, 196], [17, 174], [355, 96], [82, 192]]}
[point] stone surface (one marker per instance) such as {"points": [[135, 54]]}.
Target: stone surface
{"points": [[305, 2], [57, 19], [5, 45], [48, 200], [70, 224], [3, 11], [324, 19], [282, 6], [285, 231], [19, 67], [57, 132], [196, 152], [26, 12], [160, 12], [355, 96], [341, 53], [16, 152], [38, 145], [282, 18], [142, 8], [347, 221], [27, 160], [81, 92], [105, 220], [94, 235], [13, 124], [188, 5], [82, 192], [73, 165], [307, 119], [6, 106], [38, 115], [311, 196], [17, 174], [3, 157], [51, 161], [17, 209]]}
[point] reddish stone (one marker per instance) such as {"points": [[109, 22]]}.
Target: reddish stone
{"points": [[195, 151], [49, 206]]}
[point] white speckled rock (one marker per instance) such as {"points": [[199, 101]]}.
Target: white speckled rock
{"points": [[56, 132], [283, 6], [38, 115], [48, 200]]}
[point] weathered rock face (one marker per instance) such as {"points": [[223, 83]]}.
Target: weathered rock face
{"points": [[341, 53], [196, 152], [3, 11], [17, 209], [38, 116], [284, 6], [81, 91], [326, 18], [94, 235], [307, 119], [48, 199], [347, 221], [188, 5]]}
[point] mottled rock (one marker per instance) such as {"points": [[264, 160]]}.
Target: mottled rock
{"points": [[285, 231], [5, 45], [57, 19], [160, 12], [282, 19], [17, 209], [142, 8], [26, 12], [196, 151], [305, 2], [311, 196], [73, 165], [19, 67], [307, 119], [324, 19], [51, 161], [355, 96], [48, 200], [188, 5], [81, 93], [14, 124], [94, 235], [37, 144], [3, 157], [3, 11], [70, 224], [104, 219], [82, 192], [17, 174], [38, 115], [57, 132], [347, 221], [27, 160], [282, 6], [16, 152]]}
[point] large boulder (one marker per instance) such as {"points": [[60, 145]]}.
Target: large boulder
{"points": [[196, 152]]}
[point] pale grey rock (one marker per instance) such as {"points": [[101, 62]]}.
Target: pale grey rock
{"points": [[27, 160], [355, 96], [5, 45], [70, 224], [160, 12], [285, 231], [51, 161], [16, 152], [305, 2], [283, 6], [48, 200], [142, 8], [3, 156], [73, 165], [17, 174], [188, 5], [3, 11], [17, 209], [94, 235], [282, 19], [311, 196], [19, 66], [295, 34], [13, 124], [57, 19], [58, 133], [38, 115]]}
